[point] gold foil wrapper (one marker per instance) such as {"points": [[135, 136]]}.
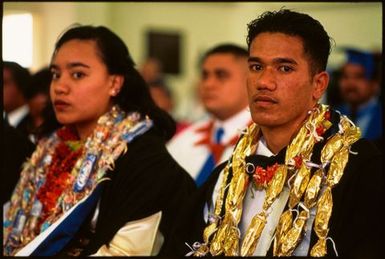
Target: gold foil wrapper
{"points": [[331, 147], [293, 236], [202, 251], [275, 186], [324, 211], [253, 234], [296, 145], [216, 247], [209, 230], [284, 224], [319, 249], [299, 185], [231, 243], [313, 188], [337, 165]]}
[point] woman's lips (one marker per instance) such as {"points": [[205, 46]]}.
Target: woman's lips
{"points": [[60, 105]]}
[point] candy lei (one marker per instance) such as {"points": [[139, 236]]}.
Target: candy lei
{"points": [[24, 219], [222, 235]]}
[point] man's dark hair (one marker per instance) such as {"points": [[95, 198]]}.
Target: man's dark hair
{"points": [[227, 48], [316, 41], [40, 83], [20, 75]]}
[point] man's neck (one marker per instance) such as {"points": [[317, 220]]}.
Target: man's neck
{"points": [[279, 137]]}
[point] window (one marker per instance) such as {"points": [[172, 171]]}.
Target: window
{"points": [[17, 38]]}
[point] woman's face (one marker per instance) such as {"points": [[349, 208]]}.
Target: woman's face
{"points": [[81, 88]]}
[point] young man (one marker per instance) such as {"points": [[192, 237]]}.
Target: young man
{"points": [[15, 83], [300, 180], [360, 91], [222, 90]]}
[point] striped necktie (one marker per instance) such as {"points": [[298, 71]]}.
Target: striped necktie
{"points": [[210, 162]]}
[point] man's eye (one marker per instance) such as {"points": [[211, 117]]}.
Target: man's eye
{"points": [[285, 69], [255, 67]]}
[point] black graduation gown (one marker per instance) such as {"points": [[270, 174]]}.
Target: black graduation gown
{"points": [[357, 221], [16, 149], [145, 180]]}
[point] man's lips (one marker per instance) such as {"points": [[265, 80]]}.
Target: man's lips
{"points": [[261, 99]]}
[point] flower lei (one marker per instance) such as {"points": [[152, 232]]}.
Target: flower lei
{"points": [[222, 236], [53, 181], [59, 175]]}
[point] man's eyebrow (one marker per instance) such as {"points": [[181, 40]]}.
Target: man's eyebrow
{"points": [[275, 60], [253, 59]]}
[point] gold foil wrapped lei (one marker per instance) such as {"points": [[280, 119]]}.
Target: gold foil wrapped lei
{"points": [[222, 236], [339, 146], [335, 152], [289, 232]]}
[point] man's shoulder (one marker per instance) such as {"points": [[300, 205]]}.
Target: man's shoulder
{"points": [[366, 148]]}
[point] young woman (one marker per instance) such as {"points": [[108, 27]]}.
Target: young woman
{"points": [[102, 182]]}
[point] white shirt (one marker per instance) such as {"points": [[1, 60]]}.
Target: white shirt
{"points": [[252, 205], [15, 116], [192, 157]]}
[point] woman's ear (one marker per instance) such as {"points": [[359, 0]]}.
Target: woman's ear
{"points": [[320, 82], [116, 84]]}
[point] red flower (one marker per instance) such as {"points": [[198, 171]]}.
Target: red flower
{"points": [[327, 115], [262, 176], [320, 130], [297, 161], [59, 173]]}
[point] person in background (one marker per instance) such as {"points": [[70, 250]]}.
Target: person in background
{"points": [[102, 183], [162, 96], [37, 95], [15, 83], [360, 90], [151, 71], [300, 181], [222, 90]]}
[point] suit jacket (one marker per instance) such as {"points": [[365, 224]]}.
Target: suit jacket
{"points": [[356, 225]]}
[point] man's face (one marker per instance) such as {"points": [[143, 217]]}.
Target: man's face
{"points": [[280, 86], [355, 88], [222, 88]]}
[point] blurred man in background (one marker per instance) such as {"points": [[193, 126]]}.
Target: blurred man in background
{"points": [[360, 89], [222, 90], [15, 83]]}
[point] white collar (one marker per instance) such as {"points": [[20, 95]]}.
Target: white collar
{"points": [[262, 148], [15, 116], [233, 125]]}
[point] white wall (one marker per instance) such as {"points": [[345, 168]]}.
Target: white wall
{"points": [[201, 25]]}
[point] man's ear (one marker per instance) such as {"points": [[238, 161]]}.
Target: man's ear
{"points": [[320, 83]]}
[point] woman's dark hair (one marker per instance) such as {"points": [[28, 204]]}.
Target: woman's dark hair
{"points": [[134, 94], [316, 41]]}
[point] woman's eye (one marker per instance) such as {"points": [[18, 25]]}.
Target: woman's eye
{"points": [[55, 75], [78, 75]]}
